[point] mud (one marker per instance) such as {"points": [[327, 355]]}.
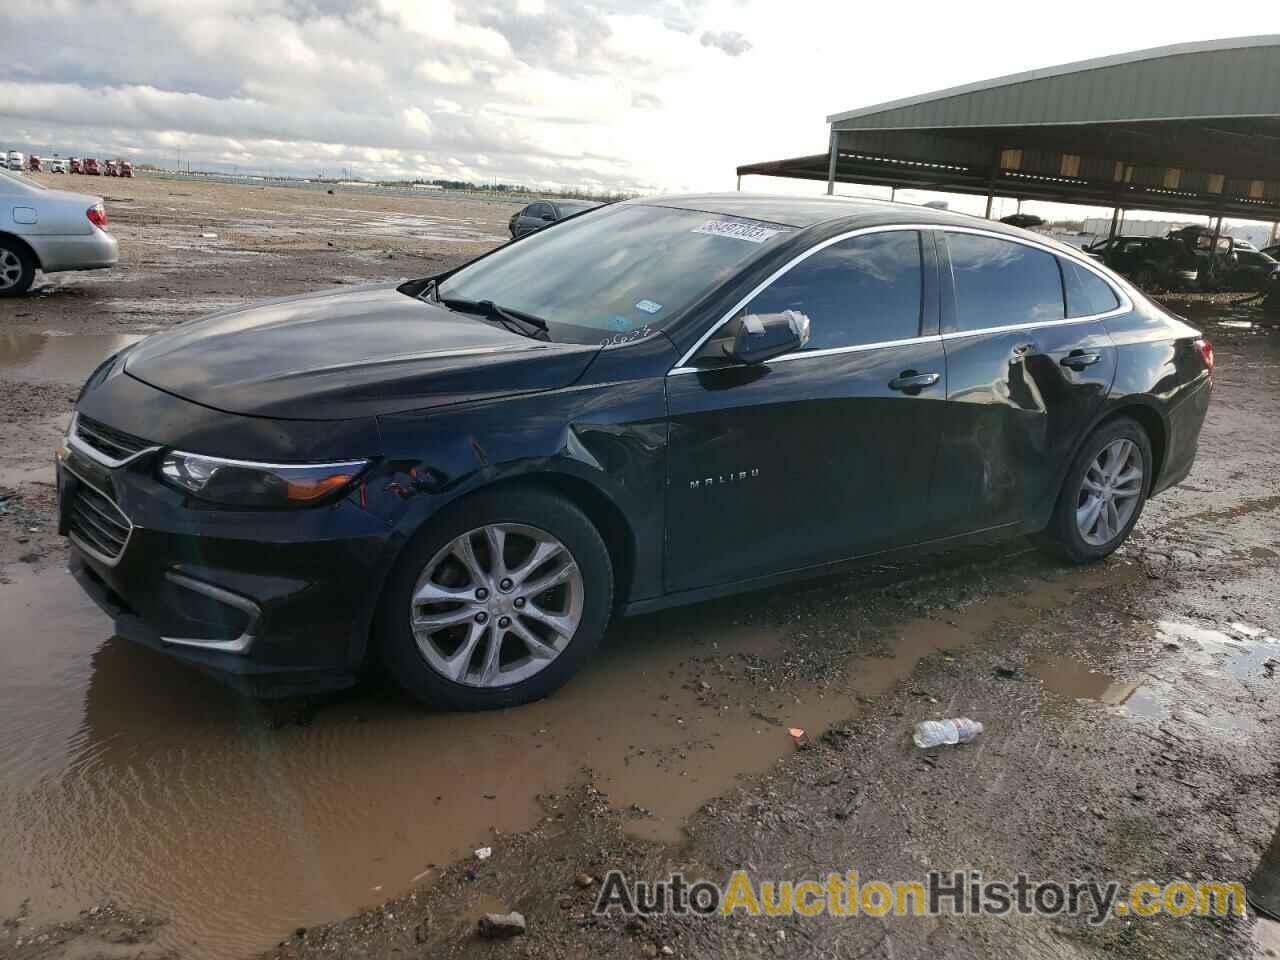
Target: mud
{"points": [[1130, 708]]}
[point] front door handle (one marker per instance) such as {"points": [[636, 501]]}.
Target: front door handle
{"points": [[1079, 359], [909, 381]]}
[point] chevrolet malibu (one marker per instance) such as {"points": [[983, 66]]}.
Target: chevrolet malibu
{"points": [[467, 476]]}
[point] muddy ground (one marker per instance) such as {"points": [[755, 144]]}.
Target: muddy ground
{"points": [[1130, 709]]}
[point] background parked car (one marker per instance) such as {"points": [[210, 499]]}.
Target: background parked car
{"points": [[49, 230], [91, 167], [126, 168], [14, 160], [111, 168], [34, 164], [542, 212], [1153, 263], [57, 166], [1248, 270], [75, 165]]}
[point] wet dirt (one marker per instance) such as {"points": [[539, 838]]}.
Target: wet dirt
{"points": [[63, 358], [126, 775], [1130, 708], [188, 248]]}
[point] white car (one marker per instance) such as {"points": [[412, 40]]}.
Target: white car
{"points": [[57, 166], [49, 230], [15, 160]]}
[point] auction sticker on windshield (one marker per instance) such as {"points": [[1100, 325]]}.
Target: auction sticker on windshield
{"points": [[737, 231]]}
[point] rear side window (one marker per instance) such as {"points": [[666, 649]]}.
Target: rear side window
{"points": [[859, 291], [999, 282], [1087, 293], [539, 210]]}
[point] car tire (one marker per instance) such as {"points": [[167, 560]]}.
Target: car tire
{"points": [[437, 668], [1121, 438], [17, 269]]}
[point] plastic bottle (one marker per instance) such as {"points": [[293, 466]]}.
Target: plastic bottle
{"points": [[934, 733]]}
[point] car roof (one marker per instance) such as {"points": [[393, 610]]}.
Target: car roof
{"points": [[802, 211]]}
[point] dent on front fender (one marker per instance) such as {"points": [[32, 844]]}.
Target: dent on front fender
{"points": [[596, 443]]}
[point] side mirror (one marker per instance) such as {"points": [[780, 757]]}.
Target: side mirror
{"points": [[763, 336]]}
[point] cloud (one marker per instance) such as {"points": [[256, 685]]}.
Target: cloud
{"points": [[730, 41]]}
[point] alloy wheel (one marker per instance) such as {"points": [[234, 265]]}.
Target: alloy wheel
{"points": [[10, 269], [497, 605], [1109, 492]]}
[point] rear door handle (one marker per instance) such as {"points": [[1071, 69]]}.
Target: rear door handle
{"points": [[911, 382], [1079, 359]]}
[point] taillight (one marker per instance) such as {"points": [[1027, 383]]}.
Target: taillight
{"points": [[1205, 348], [97, 215]]}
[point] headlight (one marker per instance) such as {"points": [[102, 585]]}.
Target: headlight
{"points": [[243, 483]]}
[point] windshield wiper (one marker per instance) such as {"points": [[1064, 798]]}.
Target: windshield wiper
{"points": [[508, 318]]}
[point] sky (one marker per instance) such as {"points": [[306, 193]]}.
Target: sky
{"points": [[623, 95]]}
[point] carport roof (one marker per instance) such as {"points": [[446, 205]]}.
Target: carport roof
{"points": [[1215, 78], [1189, 127]]}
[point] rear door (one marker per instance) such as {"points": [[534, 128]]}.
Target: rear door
{"points": [[823, 454], [1028, 366]]}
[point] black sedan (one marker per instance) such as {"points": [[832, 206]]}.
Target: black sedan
{"points": [[540, 213], [468, 476]]}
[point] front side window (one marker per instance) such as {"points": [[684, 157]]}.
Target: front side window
{"points": [[1087, 293], [863, 290], [617, 273], [999, 283]]}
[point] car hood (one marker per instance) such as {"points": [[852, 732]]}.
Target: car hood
{"points": [[353, 353]]}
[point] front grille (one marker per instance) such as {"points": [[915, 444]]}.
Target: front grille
{"points": [[97, 522], [115, 444]]}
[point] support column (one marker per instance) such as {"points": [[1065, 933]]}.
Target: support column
{"points": [[1274, 226], [1213, 248], [893, 193], [831, 164], [739, 183], [991, 180], [1115, 223]]}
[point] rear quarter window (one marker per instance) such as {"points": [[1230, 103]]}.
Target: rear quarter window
{"points": [[1087, 293]]}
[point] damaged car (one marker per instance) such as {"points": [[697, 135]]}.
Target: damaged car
{"points": [[468, 476]]}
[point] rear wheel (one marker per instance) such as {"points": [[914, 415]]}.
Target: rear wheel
{"points": [[17, 269], [1104, 492], [497, 603]]}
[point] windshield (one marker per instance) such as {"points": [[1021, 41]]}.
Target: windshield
{"points": [[615, 274]]}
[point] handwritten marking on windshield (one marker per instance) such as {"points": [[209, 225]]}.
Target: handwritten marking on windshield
{"points": [[619, 339]]}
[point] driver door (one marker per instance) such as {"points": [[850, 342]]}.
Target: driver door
{"points": [[826, 453]]}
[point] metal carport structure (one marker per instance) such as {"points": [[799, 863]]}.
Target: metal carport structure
{"points": [[1189, 128]]}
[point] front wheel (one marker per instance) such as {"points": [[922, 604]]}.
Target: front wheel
{"points": [[498, 602], [1104, 492]]}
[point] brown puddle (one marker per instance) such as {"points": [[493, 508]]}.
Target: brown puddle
{"points": [[124, 775], [66, 358], [1225, 659], [1071, 678]]}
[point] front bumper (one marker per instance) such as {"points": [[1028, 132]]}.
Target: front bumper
{"points": [[82, 251], [276, 602]]}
